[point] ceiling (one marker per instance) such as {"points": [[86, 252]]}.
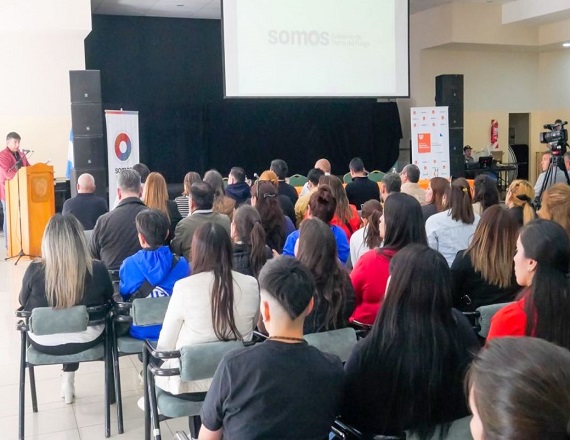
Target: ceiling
{"points": [[211, 8]]}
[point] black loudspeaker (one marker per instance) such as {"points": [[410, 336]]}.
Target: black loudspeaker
{"points": [[87, 119], [100, 176], [85, 86], [456, 158], [89, 152], [449, 92]]}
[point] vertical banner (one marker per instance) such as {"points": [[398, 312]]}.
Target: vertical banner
{"points": [[430, 141], [122, 145]]}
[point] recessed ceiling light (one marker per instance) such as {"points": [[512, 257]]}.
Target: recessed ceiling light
{"points": [[179, 6], [566, 45]]}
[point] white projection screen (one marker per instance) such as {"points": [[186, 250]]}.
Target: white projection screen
{"points": [[316, 48]]}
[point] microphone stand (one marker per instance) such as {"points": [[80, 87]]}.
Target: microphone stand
{"points": [[20, 254]]}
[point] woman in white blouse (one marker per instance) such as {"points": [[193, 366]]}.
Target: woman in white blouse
{"points": [[214, 303]]}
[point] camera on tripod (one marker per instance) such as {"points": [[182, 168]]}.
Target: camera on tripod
{"points": [[556, 138]]}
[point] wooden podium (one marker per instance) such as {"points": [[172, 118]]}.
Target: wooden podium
{"points": [[30, 203]]}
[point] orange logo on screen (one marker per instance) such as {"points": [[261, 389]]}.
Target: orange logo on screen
{"points": [[424, 143]]}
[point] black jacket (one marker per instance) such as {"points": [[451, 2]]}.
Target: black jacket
{"points": [[241, 261]]}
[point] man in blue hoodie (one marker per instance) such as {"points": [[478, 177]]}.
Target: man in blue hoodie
{"points": [[237, 187], [152, 271]]}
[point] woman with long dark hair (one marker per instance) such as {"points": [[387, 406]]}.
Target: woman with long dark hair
{"points": [[367, 237], [407, 374], [483, 273], [276, 225], [183, 201], [346, 216], [401, 224], [435, 196], [250, 251], [334, 296], [542, 265], [214, 303], [485, 194], [222, 203], [519, 389], [451, 230], [155, 196], [64, 277]]}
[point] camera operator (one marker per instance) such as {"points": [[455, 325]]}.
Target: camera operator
{"points": [[554, 167], [556, 177]]}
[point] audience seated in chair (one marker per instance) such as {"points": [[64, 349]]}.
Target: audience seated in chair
{"points": [[302, 204], [201, 202], [555, 205], [280, 168], [435, 196], [346, 215], [541, 262], [401, 224], [282, 388], [367, 237], [361, 189], [214, 303], [183, 201], [276, 224], [334, 295], [519, 201], [66, 276], [322, 164], [287, 206], [237, 188], [322, 205], [483, 273], [485, 194], [391, 183], [86, 206], [155, 196], [410, 176], [152, 271], [249, 249], [451, 230], [407, 374], [115, 236], [518, 390], [222, 203]]}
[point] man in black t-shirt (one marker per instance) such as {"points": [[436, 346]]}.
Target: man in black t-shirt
{"points": [[361, 189], [282, 388]]}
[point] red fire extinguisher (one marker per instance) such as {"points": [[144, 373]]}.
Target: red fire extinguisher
{"points": [[494, 134]]}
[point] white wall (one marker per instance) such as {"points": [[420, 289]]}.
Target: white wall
{"points": [[40, 41]]}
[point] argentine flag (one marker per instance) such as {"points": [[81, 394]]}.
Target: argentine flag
{"points": [[69, 167]]}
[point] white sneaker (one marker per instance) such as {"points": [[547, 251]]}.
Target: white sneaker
{"points": [[140, 404]]}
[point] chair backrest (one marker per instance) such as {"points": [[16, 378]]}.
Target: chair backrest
{"points": [[88, 233], [486, 314], [200, 361], [376, 175], [49, 321], [338, 342], [149, 311], [297, 180], [458, 430], [347, 178]]}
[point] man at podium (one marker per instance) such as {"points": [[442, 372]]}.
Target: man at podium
{"points": [[11, 160]]}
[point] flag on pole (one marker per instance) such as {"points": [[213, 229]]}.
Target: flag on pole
{"points": [[69, 166]]}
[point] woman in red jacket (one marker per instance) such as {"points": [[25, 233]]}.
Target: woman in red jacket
{"points": [[542, 265], [401, 224]]}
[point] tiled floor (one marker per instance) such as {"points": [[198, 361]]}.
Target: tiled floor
{"points": [[55, 420]]}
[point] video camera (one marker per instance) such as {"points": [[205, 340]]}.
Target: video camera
{"points": [[556, 138]]}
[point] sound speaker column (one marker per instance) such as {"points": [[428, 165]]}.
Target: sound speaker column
{"points": [[449, 92], [89, 147]]}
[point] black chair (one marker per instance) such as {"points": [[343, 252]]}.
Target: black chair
{"points": [[361, 329], [49, 321]]}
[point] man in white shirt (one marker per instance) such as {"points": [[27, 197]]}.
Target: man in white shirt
{"points": [[557, 175]]}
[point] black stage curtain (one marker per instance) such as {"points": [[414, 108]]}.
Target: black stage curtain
{"points": [[170, 70]]}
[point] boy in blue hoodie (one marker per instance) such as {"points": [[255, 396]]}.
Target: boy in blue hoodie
{"points": [[152, 271]]}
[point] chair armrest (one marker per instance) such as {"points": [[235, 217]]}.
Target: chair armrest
{"points": [[150, 347], [25, 314], [257, 335], [122, 306], [21, 326], [163, 372]]}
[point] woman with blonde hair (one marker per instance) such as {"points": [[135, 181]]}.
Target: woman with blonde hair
{"points": [[556, 205], [183, 201], [519, 201], [64, 277], [222, 203], [483, 273], [346, 216], [155, 196]]}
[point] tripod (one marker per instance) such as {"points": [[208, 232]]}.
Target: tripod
{"points": [[20, 254], [550, 175]]}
